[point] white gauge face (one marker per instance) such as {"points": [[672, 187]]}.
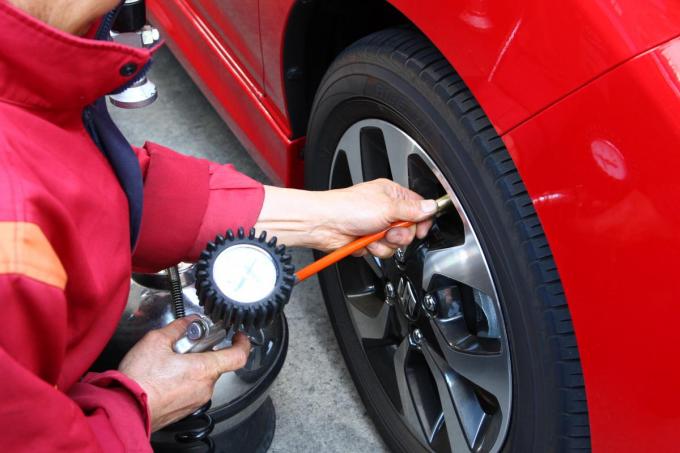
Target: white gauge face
{"points": [[245, 273]]}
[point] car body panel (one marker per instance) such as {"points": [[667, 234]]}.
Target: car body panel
{"points": [[518, 57], [272, 50], [602, 169], [236, 23], [237, 100], [586, 95]]}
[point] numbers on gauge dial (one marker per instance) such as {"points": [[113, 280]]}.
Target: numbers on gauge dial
{"points": [[245, 273]]}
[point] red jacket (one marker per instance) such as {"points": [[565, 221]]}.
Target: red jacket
{"points": [[65, 256]]}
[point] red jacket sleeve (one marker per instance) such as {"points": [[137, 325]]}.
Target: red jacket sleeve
{"points": [[187, 201], [105, 412]]}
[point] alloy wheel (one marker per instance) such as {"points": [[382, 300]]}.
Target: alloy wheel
{"points": [[429, 319]]}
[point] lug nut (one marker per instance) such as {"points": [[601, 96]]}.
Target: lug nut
{"points": [[390, 293], [429, 303], [417, 336]]}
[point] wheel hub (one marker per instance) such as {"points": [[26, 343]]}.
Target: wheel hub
{"points": [[403, 272], [406, 296]]}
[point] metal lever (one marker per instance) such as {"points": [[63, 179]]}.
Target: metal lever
{"points": [[201, 335]]}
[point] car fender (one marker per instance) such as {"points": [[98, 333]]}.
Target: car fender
{"points": [[518, 57], [601, 167]]}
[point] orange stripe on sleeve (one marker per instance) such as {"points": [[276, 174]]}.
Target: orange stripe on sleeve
{"points": [[25, 250]]}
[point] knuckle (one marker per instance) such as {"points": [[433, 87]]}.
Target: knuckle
{"points": [[383, 252], [216, 366], [238, 359], [242, 359], [154, 336], [210, 368]]}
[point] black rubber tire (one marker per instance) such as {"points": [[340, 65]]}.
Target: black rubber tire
{"points": [[398, 76]]}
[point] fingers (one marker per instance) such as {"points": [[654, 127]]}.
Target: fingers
{"points": [[394, 239], [413, 210], [400, 237], [230, 359], [423, 228], [176, 328], [381, 250], [406, 204], [359, 253]]}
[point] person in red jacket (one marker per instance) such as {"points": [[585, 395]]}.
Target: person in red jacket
{"points": [[80, 208]]}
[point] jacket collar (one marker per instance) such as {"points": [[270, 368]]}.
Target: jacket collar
{"points": [[44, 68]]}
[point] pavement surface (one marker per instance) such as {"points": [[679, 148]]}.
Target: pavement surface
{"points": [[318, 408]]}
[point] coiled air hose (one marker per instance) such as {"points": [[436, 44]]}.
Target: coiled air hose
{"points": [[176, 292], [195, 428]]}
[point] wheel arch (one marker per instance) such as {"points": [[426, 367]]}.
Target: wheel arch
{"points": [[313, 24], [504, 51], [340, 22]]}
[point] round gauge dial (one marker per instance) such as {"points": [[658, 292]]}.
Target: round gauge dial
{"points": [[244, 280], [245, 273]]}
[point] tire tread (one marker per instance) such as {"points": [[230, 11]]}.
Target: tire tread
{"points": [[424, 63]]}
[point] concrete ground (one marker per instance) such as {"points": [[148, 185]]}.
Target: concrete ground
{"points": [[318, 408]]}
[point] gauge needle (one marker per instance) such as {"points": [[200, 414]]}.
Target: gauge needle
{"points": [[246, 274]]}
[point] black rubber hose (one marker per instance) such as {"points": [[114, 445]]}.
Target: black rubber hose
{"points": [[176, 292], [131, 17]]}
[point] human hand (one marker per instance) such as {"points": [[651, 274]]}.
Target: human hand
{"points": [[370, 207], [176, 385]]}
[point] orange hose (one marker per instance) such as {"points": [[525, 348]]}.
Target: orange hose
{"points": [[345, 251]]}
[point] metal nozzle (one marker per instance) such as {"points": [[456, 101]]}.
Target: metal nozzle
{"points": [[443, 203]]}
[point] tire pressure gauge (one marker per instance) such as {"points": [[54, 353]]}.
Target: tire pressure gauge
{"points": [[243, 282]]}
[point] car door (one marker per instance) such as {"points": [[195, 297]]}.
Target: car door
{"points": [[235, 24]]}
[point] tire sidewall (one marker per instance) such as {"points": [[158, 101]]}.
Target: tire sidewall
{"points": [[357, 90]]}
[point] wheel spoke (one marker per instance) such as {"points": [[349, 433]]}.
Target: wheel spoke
{"points": [[486, 370], [463, 414], [462, 263], [375, 264], [408, 406], [399, 147], [350, 144], [401, 325], [371, 315]]}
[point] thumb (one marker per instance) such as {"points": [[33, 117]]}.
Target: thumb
{"points": [[177, 328], [232, 358], [413, 210]]}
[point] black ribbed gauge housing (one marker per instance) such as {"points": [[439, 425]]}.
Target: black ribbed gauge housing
{"points": [[223, 309]]}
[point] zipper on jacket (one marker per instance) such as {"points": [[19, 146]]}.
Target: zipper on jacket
{"points": [[107, 23], [88, 122]]}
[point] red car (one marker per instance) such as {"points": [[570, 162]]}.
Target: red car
{"points": [[538, 315]]}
